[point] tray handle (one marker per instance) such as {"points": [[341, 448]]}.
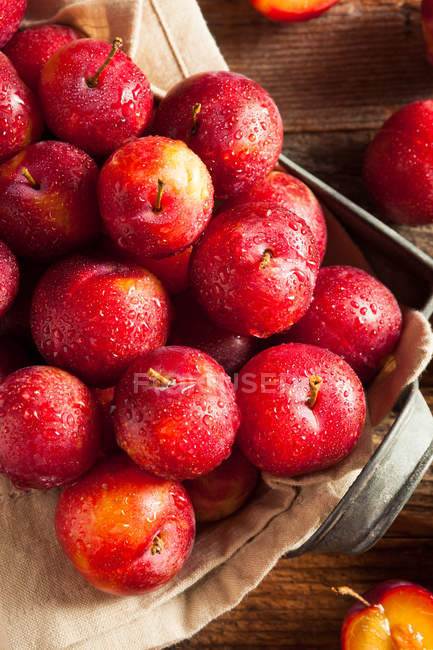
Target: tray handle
{"points": [[385, 484]]}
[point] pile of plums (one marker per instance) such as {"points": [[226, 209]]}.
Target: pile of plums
{"points": [[136, 224]]}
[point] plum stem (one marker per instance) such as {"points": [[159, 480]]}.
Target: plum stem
{"points": [[25, 172], [160, 378], [195, 111], [266, 259], [348, 591], [117, 45], [156, 546], [158, 203], [315, 384]]}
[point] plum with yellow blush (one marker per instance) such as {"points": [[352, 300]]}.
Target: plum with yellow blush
{"points": [[49, 204], [126, 531], [155, 197]]}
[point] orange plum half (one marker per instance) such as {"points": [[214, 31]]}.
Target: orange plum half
{"points": [[400, 617], [291, 11]]}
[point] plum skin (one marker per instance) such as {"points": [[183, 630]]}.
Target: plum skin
{"points": [[281, 11], [98, 120], [291, 193], [224, 490], [238, 133], [128, 189], [29, 49], [49, 427], [172, 271], [10, 278], [125, 530], [237, 287], [181, 429], [398, 166], [280, 432], [61, 214], [20, 118], [193, 329], [12, 14], [354, 315], [93, 317]]}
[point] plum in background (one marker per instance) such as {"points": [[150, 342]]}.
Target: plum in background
{"points": [[192, 328], [292, 11], [223, 491], [398, 167]]}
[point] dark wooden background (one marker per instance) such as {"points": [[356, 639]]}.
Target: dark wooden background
{"points": [[335, 79]]}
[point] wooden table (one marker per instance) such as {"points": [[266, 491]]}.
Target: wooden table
{"points": [[335, 79]]}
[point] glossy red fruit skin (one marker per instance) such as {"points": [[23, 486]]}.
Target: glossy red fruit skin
{"points": [[30, 49], [49, 427], [227, 279], [12, 356], [16, 321], [172, 271], [239, 131], [9, 278], [93, 317], [11, 15], [61, 214], [179, 431], [193, 329], [279, 432], [20, 115], [306, 11], [353, 315], [290, 193], [127, 191], [375, 596], [98, 120], [398, 167], [223, 491], [107, 521]]}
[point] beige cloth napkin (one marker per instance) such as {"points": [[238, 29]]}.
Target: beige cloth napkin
{"points": [[44, 603]]}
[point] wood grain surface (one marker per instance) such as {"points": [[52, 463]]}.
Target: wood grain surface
{"points": [[335, 79]]}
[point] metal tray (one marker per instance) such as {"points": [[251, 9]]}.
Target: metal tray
{"points": [[397, 466]]}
